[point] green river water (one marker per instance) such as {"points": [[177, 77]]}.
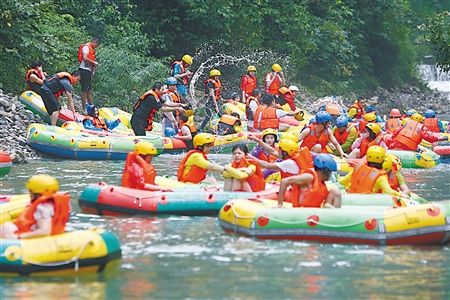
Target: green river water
{"points": [[191, 257]]}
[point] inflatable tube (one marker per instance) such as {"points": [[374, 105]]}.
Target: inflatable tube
{"points": [[443, 152], [67, 253], [5, 163], [235, 107], [11, 206], [425, 159], [417, 225]]}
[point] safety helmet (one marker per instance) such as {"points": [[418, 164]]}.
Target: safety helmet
{"points": [[283, 90], [325, 161], [203, 139], [410, 112], [429, 113], [374, 127], [396, 162], [289, 146], [370, 117], [270, 131], [289, 135], [251, 68], [145, 148], [323, 117], [299, 116], [341, 121], [214, 72], [417, 117], [387, 163], [375, 154], [370, 108], [395, 113], [42, 184], [169, 132], [276, 68], [187, 59], [294, 88], [312, 121], [171, 81]]}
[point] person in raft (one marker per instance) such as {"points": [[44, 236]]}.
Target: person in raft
{"points": [[245, 175], [186, 129], [47, 213], [53, 87], [35, 77], [195, 165], [393, 165], [139, 173], [93, 121], [309, 189]]}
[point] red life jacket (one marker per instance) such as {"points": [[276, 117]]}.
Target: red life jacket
{"points": [[273, 89], [289, 98], [314, 196], [359, 109], [91, 54], [312, 139], [341, 138], [271, 158], [393, 180], [148, 170], [432, 124], [185, 78], [393, 124], [217, 87], [365, 144], [195, 174], [97, 122], [364, 178], [410, 136], [248, 110], [248, 84], [61, 204], [269, 118], [152, 112], [36, 72], [256, 180], [54, 83], [304, 161]]}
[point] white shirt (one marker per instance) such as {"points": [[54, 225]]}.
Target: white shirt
{"points": [[85, 65], [253, 106], [288, 166]]}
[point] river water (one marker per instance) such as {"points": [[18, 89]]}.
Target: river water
{"points": [[191, 257]]}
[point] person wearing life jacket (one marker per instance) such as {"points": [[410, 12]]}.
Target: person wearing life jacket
{"points": [[371, 109], [195, 165], [356, 111], [94, 122], [266, 148], [393, 165], [345, 134], [186, 130], [372, 137], [368, 176], [245, 174], [146, 107], [180, 70], [53, 87], [267, 115], [411, 134], [431, 122], [408, 115], [171, 98], [394, 122], [316, 136], [248, 83], [88, 64], [309, 188], [139, 173], [288, 97], [274, 80], [251, 105], [47, 213], [35, 77], [213, 96], [228, 124], [366, 119]]}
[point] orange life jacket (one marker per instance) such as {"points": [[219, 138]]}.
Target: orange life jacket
{"points": [[273, 89], [256, 180], [410, 135], [195, 174], [61, 204], [149, 170], [152, 113], [393, 124], [248, 84], [289, 98], [269, 118], [303, 159], [54, 83], [229, 120], [176, 98], [359, 109], [91, 54], [185, 78], [36, 72], [192, 128], [217, 87], [341, 138], [312, 139], [314, 196], [248, 110], [97, 122], [271, 158], [365, 144], [364, 178], [431, 124], [393, 180]]}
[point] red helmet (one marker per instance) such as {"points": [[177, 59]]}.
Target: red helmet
{"points": [[395, 113]]}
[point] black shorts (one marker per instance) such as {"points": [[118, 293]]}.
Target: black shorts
{"points": [[86, 80], [138, 124], [50, 101]]}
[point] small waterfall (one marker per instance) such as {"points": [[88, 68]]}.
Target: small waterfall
{"points": [[434, 77]]}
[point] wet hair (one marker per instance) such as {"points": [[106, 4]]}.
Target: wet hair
{"points": [[35, 64], [327, 173], [256, 92], [267, 99], [76, 73], [158, 85], [96, 39], [361, 98], [375, 165], [372, 134], [274, 135], [92, 111], [242, 147], [236, 115]]}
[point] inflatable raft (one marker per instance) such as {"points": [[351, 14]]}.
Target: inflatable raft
{"points": [[67, 253], [424, 159], [374, 225], [5, 163]]}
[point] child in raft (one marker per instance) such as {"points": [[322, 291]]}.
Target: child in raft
{"points": [[245, 174], [266, 148]]}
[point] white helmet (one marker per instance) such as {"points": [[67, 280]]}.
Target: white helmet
{"points": [[293, 88]]}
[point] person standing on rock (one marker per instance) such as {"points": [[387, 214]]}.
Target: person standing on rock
{"points": [[35, 77], [248, 83], [356, 111], [88, 63], [53, 87]]}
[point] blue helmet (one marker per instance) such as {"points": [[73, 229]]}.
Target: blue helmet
{"points": [[171, 81], [370, 108], [325, 161], [323, 117], [341, 121], [429, 113], [169, 132], [312, 120], [410, 112]]}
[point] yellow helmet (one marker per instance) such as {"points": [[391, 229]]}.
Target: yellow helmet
{"points": [[251, 69], [299, 116], [145, 148], [203, 139], [376, 154], [289, 146], [214, 72], [269, 131], [42, 184], [417, 117], [189, 112], [374, 127], [289, 135], [283, 90], [187, 59], [276, 68], [396, 162], [370, 117], [387, 163]]}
